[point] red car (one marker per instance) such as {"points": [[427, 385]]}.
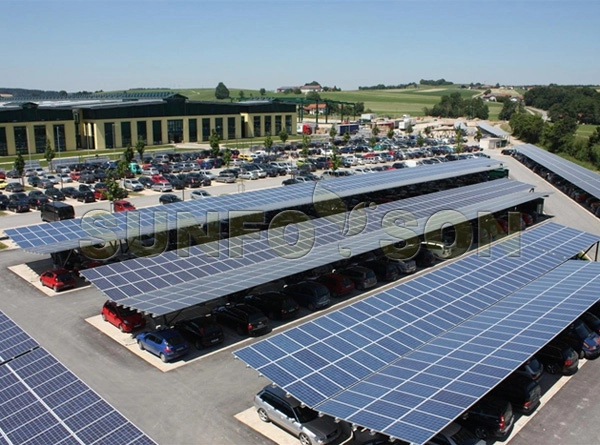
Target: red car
{"points": [[158, 179], [337, 284], [100, 194], [75, 176], [58, 279], [127, 320], [122, 205]]}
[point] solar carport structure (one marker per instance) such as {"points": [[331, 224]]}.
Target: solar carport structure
{"points": [[175, 280], [71, 234], [408, 360], [581, 177], [42, 402]]}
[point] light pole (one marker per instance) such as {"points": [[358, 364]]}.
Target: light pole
{"points": [[58, 141]]}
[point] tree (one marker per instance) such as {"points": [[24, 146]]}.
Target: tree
{"points": [[122, 168], [409, 129], [390, 133], [594, 138], [560, 135], [346, 138], [305, 141], [313, 95], [262, 91], [420, 140], [241, 94], [373, 141], [128, 154], [458, 132], [508, 109], [214, 143], [336, 159], [227, 157], [268, 142], [114, 191], [140, 147], [427, 131], [527, 127], [283, 136], [221, 92], [332, 132], [49, 154], [478, 135], [296, 91], [359, 107], [375, 130], [19, 165]]}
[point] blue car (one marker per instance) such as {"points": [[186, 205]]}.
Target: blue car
{"points": [[168, 344]]}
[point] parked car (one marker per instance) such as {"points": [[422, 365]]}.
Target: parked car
{"points": [[338, 284], [167, 344], [34, 181], [454, 434], [309, 294], [202, 332], [275, 305], [14, 187], [592, 321], [54, 194], [362, 277], [127, 320], [242, 317], [85, 196], [122, 205], [162, 187], [384, 271], [200, 194], [404, 266], [532, 369], [58, 279], [169, 198], [3, 202], [273, 405], [559, 357], [490, 417], [18, 203], [582, 339], [146, 181], [70, 192], [37, 201], [133, 184], [228, 178], [523, 393]]}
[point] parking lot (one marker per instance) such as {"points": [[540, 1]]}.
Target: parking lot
{"points": [[208, 400]]}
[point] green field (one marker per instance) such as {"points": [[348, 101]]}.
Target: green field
{"points": [[393, 103], [585, 130]]}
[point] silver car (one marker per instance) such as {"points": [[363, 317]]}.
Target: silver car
{"points": [[273, 406], [162, 187]]}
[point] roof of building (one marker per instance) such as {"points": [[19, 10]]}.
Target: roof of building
{"points": [[494, 131]]}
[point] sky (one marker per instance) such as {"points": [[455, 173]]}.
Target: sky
{"points": [[88, 45]]}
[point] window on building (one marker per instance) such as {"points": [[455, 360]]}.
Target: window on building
{"points": [[193, 130], [219, 127], [257, 126], [39, 132], [175, 129], [21, 140], [3, 143], [142, 132], [59, 138], [277, 124], [268, 125], [288, 123], [125, 134], [156, 133], [109, 134], [231, 128], [205, 129]]}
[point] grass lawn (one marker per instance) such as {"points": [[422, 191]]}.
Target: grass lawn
{"points": [[3, 246], [585, 130]]}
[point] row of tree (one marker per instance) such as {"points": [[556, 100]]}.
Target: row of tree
{"points": [[579, 103], [455, 106], [400, 86]]}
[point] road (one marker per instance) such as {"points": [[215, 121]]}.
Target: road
{"points": [[196, 404]]}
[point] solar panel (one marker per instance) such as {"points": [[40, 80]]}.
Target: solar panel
{"points": [[583, 178], [495, 131], [365, 337], [172, 281], [70, 234], [42, 402], [418, 395]]}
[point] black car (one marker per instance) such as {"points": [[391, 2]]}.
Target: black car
{"points": [[87, 178], [491, 417], [202, 332], [523, 393], [245, 319], [146, 181], [54, 194], [384, 271], [84, 188], [14, 187], [559, 357], [34, 181], [309, 294], [275, 305], [291, 181], [70, 192], [169, 198], [37, 201], [531, 369], [18, 203], [582, 339], [3, 202], [85, 196]]}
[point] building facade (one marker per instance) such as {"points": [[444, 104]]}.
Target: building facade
{"points": [[67, 125]]}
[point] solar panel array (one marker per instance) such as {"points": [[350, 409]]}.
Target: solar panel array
{"points": [[582, 177], [495, 131], [71, 234], [328, 355], [420, 394], [165, 283], [42, 402]]}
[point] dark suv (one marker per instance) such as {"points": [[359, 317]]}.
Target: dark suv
{"points": [[202, 332], [242, 317], [309, 294], [275, 304], [384, 271], [559, 357], [581, 338], [523, 393], [490, 417], [362, 277]]}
